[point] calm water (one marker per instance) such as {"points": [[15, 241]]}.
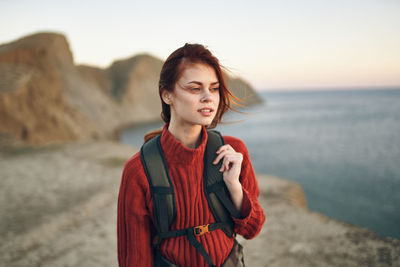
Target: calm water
{"points": [[343, 147]]}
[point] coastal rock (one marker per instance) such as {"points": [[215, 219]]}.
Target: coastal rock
{"points": [[32, 107], [276, 189], [243, 90], [45, 97], [135, 80]]}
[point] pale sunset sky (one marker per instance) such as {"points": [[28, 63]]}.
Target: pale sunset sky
{"points": [[286, 44]]}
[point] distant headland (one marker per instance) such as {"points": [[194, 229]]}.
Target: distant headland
{"points": [[46, 98]]}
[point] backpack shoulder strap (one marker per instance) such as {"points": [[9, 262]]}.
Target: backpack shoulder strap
{"points": [[215, 189], [161, 188], [163, 193]]}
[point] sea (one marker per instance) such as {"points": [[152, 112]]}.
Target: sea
{"points": [[341, 146]]}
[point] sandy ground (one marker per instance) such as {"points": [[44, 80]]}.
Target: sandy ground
{"points": [[58, 208]]}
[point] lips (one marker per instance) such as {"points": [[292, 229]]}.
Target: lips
{"points": [[206, 111]]}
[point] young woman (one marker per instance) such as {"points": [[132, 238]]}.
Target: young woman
{"points": [[194, 97]]}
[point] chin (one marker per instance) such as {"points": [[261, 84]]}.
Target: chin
{"points": [[207, 122], [202, 121]]}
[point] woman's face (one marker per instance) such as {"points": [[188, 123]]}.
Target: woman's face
{"points": [[195, 97]]}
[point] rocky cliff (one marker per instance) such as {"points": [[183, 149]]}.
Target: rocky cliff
{"points": [[45, 97], [32, 106]]}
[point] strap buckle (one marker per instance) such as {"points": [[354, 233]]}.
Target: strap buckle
{"points": [[201, 229], [156, 241]]}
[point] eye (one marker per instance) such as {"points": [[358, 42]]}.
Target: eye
{"points": [[215, 89], [195, 89]]}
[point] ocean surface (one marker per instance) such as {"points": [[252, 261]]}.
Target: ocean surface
{"points": [[342, 146]]}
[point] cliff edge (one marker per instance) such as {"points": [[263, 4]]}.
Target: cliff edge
{"points": [[68, 215]]}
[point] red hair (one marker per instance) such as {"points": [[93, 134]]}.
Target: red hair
{"points": [[172, 70]]}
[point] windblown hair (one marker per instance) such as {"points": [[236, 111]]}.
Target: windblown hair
{"points": [[172, 70]]}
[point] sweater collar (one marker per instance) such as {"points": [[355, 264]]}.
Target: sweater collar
{"points": [[175, 152]]}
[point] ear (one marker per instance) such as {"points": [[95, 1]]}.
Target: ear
{"points": [[166, 97]]}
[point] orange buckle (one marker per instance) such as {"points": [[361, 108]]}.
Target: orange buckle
{"points": [[201, 229], [156, 239]]}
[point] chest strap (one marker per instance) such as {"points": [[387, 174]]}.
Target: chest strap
{"points": [[191, 234]]}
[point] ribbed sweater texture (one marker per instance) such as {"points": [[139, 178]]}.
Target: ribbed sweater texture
{"points": [[135, 220]]}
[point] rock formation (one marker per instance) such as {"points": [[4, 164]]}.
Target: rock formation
{"points": [[45, 97], [32, 105]]}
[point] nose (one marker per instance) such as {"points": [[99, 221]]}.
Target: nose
{"points": [[206, 97]]}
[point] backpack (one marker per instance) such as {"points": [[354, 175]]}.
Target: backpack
{"points": [[163, 194]]}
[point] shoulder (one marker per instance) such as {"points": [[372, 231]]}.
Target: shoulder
{"points": [[133, 163], [133, 173], [237, 144]]}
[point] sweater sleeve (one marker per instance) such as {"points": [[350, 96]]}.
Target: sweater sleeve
{"points": [[253, 217], [133, 217]]}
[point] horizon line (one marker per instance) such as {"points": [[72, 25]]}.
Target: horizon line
{"points": [[328, 88]]}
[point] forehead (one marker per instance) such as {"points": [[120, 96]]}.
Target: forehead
{"points": [[198, 72]]}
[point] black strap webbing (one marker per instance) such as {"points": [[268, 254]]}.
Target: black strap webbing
{"points": [[199, 247], [160, 183], [190, 234], [216, 192], [222, 196], [181, 232]]}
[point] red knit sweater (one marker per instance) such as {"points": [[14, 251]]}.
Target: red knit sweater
{"points": [[185, 165]]}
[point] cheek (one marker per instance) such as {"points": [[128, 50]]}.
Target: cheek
{"points": [[217, 98], [185, 103]]}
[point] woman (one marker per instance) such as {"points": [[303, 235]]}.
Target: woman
{"points": [[194, 98]]}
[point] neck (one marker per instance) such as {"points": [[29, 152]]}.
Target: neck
{"points": [[188, 135]]}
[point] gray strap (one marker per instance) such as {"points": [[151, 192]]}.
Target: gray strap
{"points": [[218, 200], [161, 188]]}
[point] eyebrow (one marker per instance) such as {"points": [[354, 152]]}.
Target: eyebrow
{"points": [[199, 83]]}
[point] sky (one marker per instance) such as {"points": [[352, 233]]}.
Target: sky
{"points": [[282, 44]]}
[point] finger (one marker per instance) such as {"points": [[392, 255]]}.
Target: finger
{"points": [[226, 163], [230, 160], [224, 147], [222, 169], [221, 155], [229, 153]]}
